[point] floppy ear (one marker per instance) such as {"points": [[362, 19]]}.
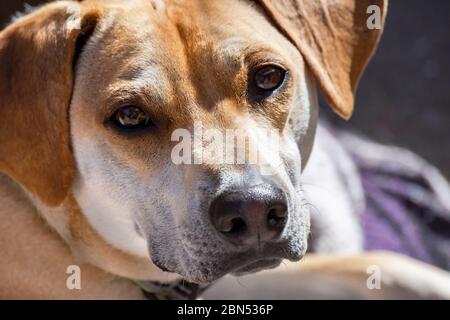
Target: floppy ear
{"points": [[36, 77], [335, 40]]}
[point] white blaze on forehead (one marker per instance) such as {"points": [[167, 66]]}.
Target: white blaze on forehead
{"points": [[263, 147], [259, 145], [267, 143]]}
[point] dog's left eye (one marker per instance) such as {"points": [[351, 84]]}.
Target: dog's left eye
{"points": [[131, 117], [269, 77]]}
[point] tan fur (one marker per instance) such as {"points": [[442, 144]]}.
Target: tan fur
{"points": [[334, 39], [27, 133], [35, 259], [340, 277]]}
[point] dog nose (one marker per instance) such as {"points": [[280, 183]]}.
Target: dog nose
{"points": [[250, 217]]}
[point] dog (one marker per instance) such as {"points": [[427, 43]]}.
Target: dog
{"points": [[90, 95]]}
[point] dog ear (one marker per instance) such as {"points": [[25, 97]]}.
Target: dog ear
{"points": [[335, 39], [36, 78]]}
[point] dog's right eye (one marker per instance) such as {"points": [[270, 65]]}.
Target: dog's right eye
{"points": [[131, 117]]}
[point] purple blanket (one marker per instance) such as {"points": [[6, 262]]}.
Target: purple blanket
{"points": [[407, 202]]}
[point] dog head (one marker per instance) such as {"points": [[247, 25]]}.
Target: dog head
{"points": [[150, 113]]}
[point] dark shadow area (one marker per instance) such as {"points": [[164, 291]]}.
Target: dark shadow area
{"points": [[404, 96]]}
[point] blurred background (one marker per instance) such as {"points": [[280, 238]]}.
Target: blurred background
{"points": [[404, 97]]}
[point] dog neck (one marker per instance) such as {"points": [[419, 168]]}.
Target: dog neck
{"points": [[35, 259], [38, 244]]}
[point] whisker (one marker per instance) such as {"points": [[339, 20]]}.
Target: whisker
{"points": [[316, 210], [239, 282]]}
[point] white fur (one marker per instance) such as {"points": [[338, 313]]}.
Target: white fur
{"points": [[335, 193], [109, 217]]}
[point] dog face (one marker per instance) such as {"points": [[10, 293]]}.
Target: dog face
{"points": [[147, 70], [191, 68]]}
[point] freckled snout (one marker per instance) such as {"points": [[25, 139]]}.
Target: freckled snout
{"points": [[250, 217]]}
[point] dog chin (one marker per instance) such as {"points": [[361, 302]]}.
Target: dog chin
{"points": [[202, 275], [205, 264], [257, 266]]}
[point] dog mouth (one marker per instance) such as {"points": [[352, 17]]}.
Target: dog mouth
{"points": [[256, 266], [210, 262], [210, 270], [161, 267], [249, 268], [202, 257]]}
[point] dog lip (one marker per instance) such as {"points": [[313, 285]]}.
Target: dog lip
{"points": [[240, 264], [160, 266], [258, 265], [251, 267]]}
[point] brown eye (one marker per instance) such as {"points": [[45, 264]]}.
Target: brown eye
{"points": [[131, 117], [269, 78]]}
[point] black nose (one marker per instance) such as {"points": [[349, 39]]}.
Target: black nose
{"points": [[250, 217]]}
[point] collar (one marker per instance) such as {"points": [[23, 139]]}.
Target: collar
{"points": [[178, 290]]}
